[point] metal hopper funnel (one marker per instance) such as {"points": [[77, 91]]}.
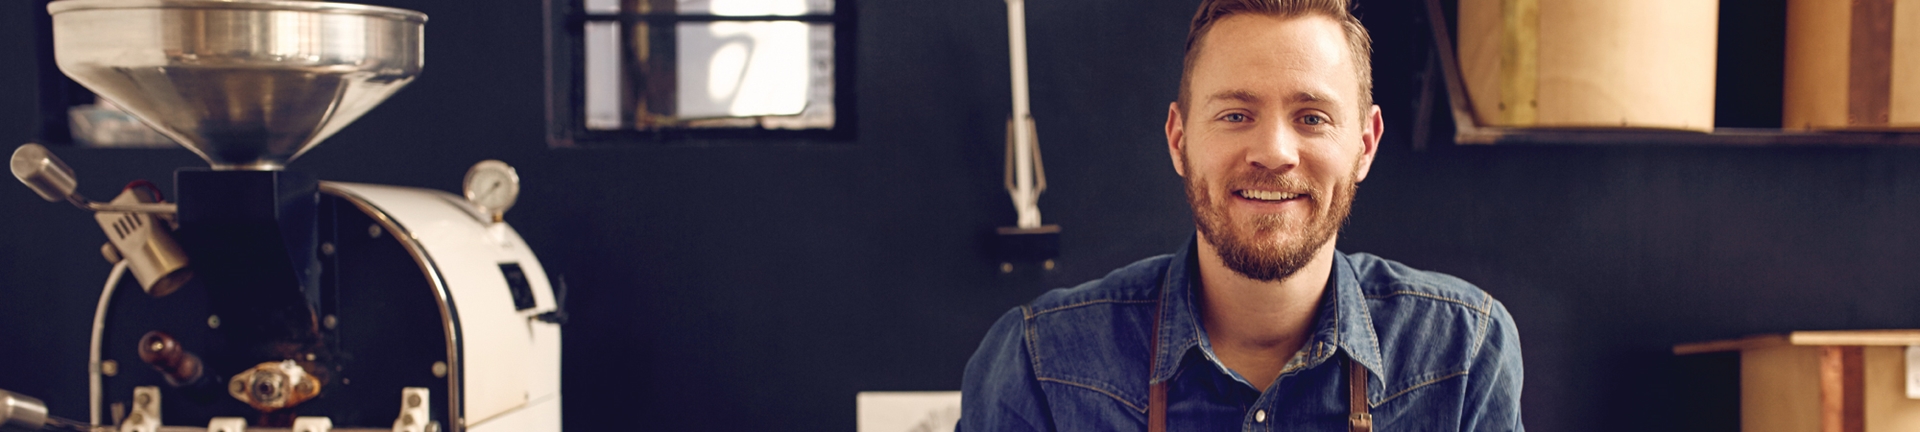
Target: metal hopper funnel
{"points": [[247, 84]]}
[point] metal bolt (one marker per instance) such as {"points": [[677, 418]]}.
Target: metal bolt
{"points": [[439, 369], [110, 367], [406, 419], [213, 321], [373, 231], [413, 400], [326, 248], [309, 356], [111, 253], [1048, 264], [1006, 267], [135, 418], [330, 322], [141, 401]]}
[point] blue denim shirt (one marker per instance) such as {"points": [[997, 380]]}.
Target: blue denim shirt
{"points": [[1441, 355]]}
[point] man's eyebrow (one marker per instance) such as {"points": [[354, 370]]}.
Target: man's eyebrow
{"points": [[1308, 97], [1249, 97], [1238, 95]]}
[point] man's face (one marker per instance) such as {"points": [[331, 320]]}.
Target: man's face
{"points": [[1274, 141]]}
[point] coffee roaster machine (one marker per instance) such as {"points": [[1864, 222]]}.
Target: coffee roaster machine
{"points": [[271, 300]]}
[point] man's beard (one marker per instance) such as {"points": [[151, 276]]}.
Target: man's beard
{"points": [[1250, 248]]}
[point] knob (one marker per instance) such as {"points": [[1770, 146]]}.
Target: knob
{"points": [[181, 367], [42, 172]]}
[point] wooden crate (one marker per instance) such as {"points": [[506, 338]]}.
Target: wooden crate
{"points": [[1852, 65], [1590, 64], [1822, 381]]}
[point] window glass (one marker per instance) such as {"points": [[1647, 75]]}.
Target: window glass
{"points": [[754, 7], [755, 69], [673, 68]]}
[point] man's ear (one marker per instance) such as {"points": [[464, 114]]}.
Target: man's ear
{"points": [[1370, 135], [1176, 136]]}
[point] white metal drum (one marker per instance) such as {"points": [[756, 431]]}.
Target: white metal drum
{"points": [[504, 363]]}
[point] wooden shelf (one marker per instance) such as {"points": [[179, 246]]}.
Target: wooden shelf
{"points": [[1805, 338], [1723, 136], [1469, 132]]}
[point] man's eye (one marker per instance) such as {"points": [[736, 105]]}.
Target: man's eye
{"points": [[1235, 118], [1313, 120]]}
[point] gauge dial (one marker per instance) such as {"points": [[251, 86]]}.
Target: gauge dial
{"points": [[492, 186]]}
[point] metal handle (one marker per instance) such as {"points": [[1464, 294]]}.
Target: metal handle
{"points": [[35, 166], [23, 411], [43, 173]]}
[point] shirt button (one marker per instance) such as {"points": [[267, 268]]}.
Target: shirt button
{"points": [[1260, 416]]}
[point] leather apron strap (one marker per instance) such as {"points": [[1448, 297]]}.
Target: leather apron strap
{"points": [[1358, 419], [1156, 391]]}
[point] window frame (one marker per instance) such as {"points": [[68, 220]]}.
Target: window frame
{"points": [[566, 94]]}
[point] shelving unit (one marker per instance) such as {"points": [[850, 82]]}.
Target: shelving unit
{"points": [[1469, 132]]}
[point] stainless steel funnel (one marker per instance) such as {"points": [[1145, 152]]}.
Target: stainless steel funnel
{"points": [[247, 84]]}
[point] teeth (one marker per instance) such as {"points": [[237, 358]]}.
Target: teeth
{"points": [[1267, 195]]}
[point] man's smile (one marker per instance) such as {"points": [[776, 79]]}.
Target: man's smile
{"points": [[1268, 195]]}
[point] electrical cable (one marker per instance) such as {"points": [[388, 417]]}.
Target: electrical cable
{"points": [[93, 349], [153, 190]]}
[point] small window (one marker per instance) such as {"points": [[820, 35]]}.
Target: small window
{"points": [[644, 71]]}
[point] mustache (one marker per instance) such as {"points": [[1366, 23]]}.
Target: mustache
{"points": [[1272, 181]]}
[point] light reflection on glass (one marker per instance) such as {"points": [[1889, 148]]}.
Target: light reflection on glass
{"points": [[754, 7], [604, 85], [742, 69], [700, 74]]}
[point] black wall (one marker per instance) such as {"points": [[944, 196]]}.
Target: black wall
{"points": [[758, 286]]}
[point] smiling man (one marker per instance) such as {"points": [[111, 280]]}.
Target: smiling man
{"points": [[1258, 323]]}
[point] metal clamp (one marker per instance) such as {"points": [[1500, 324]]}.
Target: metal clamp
{"points": [[413, 410], [312, 424], [143, 240], [146, 411], [227, 424]]}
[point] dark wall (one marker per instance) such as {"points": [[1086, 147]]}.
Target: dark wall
{"points": [[755, 286]]}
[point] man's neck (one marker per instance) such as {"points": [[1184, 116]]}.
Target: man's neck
{"points": [[1256, 326]]}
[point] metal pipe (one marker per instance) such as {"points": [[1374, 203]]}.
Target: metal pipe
{"points": [[1026, 200], [154, 208]]}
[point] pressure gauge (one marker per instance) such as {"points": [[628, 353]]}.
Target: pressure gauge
{"points": [[492, 186]]}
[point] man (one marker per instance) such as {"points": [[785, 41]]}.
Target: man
{"points": [[1258, 323]]}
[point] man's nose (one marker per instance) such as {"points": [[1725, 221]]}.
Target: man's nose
{"points": [[1275, 147]]}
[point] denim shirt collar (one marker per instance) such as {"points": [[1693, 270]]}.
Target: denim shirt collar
{"points": [[1342, 321]]}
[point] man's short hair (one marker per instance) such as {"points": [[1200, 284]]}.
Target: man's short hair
{"points": [[1359, 44]]}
